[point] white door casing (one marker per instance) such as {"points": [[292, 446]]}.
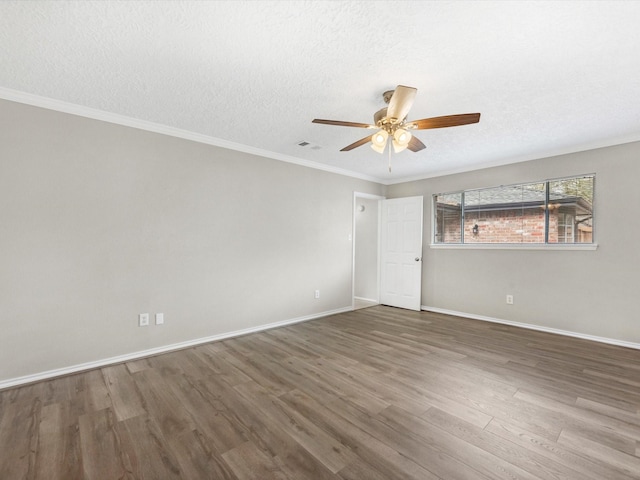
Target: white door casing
{"points": [[401, 253]]}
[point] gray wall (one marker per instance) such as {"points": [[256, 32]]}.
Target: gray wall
{"points": [[100, 222], [366, 251], [588, 292]]}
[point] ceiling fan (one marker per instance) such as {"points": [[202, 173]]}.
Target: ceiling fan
{"points": [[392, 122]]}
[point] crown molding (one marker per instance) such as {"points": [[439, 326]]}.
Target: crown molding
{"points": [[96, 114], [104, 116], [635, 137]]}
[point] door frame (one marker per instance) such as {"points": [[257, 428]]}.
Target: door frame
{"points": [[368, 196]]}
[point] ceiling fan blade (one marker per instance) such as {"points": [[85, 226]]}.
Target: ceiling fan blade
{"points": [[357, 144], [401, 102], [415, 145], [342, 124], [446, 121]]}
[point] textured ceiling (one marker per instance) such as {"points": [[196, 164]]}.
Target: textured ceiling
{"points": [[548, 77]]}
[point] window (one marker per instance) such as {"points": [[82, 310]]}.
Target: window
{"points": [[565, 228], [551, 212]]}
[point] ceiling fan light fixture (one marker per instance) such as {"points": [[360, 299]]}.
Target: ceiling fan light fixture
{"points": [[378, 148], [401, 139], [402, 136], [379, 140], [397, 147]]}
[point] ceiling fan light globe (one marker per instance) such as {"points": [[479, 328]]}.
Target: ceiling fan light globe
{"points": [[402, 137], [398, 147], [380, 137], [378, 148], [379, 140]]}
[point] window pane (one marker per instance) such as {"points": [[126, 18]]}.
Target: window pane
{"points": [[508, 214], [571, 210], [448, 218]]}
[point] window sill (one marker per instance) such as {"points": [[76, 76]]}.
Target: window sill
{"points": [[513, 246]]}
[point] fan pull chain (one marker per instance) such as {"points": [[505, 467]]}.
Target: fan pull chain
{"points": [[389, 158]]}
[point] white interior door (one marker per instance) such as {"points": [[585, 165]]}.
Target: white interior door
{"points": [[401, 252]]}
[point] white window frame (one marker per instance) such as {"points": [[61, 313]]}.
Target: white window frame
{"points": [[513, 246]]}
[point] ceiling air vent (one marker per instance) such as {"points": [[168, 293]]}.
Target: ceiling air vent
{"points": [[308, 145]]}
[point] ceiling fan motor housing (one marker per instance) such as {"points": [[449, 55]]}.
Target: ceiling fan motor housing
{"points": [[380, 116], [382, 121], [386, 96]]}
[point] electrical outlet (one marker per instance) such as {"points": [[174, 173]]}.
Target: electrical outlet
{"points": [[509, 299], [143, 320], [159, 318], [317, 294]]}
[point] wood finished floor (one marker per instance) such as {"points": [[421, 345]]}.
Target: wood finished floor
{"points": [[374, 394]]}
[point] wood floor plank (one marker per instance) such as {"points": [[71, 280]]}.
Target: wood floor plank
{"points": [[482, 459], [457, 402], [370, 451], [521, 458], [378, 393], [257, 372], [555, 453], [101, 447], [138, 365], [250, 463], [148, 450], [211, 417], [269, 437], [58, 454], [324, 374], [18, 434], [218, 365], [127, 402], [281, 340], [197, 459], [394, 467], [316, 441], [566, 414], [625, 416], [298, 463], [439, 460], [97, 394], [286, 371], [369, 380], [623, 462], [256, 427], [297, 334], [50, 450], [162, 404]]}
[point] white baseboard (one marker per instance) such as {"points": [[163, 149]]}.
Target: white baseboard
{"points": [[584, 336], [36, 377], [366, 299]]}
